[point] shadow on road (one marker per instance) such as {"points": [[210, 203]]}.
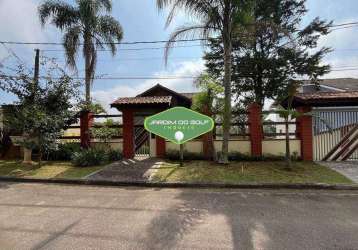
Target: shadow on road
{"points": [[256, 220], [166, 230]]}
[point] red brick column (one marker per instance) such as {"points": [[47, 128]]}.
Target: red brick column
{"points": [[255, 127], [208, 138], [86, 121], [160, 147], [208, 145], [304, 130], [128, 133]]}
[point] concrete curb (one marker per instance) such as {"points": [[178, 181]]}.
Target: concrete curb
{"points": [[315, 186]]}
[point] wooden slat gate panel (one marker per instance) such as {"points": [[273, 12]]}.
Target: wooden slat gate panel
{"points": [[331, 127]]}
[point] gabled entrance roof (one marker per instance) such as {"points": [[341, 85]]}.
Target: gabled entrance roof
{"points": [[157, 96]]}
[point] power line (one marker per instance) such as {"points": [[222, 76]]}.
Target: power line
{"points": [[110, 78], [344, 24], [4, 76], [134, 49], [351, 24], [116, 43]]}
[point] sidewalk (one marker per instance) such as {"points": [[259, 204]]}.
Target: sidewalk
{"points": [[347, 168]]}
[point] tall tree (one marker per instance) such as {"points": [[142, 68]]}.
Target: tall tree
{"points": [[209, 102], [214, 17], [265, 63], [42, 111], [84, 24]]}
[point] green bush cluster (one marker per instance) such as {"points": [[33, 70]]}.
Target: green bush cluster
{"points": [[94, 156], [84, 157], [89, 157], [64, 151], [237, 156]]}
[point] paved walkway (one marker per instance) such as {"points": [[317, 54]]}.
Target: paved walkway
{"points": [[38, 216], [348, 168], [128, 170]]}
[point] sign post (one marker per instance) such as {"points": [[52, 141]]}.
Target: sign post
{"points": [[179, 125]]}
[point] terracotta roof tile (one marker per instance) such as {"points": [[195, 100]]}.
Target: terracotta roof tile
{"points": [[143, 100], [348, 84], [327, 95]]}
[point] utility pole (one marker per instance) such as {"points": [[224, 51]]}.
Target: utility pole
{"points": [[37, 67], [35, 82], [32, 99]]}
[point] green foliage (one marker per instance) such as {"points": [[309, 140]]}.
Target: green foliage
{"points": [[222, 18], [105, 132], [273, 50], [95, 108], [89, 157], [88, 23], [94, 156], [237, 156], [43, 108], [64, 152], [114, 155], [210, 99]]}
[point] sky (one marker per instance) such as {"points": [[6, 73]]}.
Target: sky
{"points": [[141, 21]]}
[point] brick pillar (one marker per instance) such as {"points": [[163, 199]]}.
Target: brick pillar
{"points": [[305, 134], [255, 127], [128, 133], [86, 121], [208, 142], [208, 139], [160, 147]]}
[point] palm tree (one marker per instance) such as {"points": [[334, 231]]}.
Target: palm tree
{"points": [[83, 24], [214, 17]]}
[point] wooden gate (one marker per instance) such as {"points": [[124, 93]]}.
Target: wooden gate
{"points": [[335, 133]]}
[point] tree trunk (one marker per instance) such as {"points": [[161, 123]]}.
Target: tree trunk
{"points": [[288, 151], [88, 72], [40, 157], [181, 153], [226, 36], [27, 156]]}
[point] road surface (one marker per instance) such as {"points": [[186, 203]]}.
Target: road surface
{"points": [[39, 216]]}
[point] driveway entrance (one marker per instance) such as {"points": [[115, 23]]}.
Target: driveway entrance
{"points": [[348, 168]]}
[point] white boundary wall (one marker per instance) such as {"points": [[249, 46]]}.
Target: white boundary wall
{"points": [[269, 147], [278, 147]]}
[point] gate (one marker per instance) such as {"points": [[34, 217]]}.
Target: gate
{"points": [[141, 138], [335, 133]]}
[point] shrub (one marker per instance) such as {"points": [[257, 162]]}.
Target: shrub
{"points": [[64, 151], [114, 155], [237, 156], [89, 157]]}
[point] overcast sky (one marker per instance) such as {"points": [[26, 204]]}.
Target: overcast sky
{"points": [[142, 22]]}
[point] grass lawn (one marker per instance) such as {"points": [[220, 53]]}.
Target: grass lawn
{"points": [[248, 172], [48, 170]]}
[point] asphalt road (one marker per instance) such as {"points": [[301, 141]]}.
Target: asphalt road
{"points": [[38, 216]]}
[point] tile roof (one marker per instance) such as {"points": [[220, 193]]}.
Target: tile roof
{"points": [[348, 84], [327, 95], [143, 100]]}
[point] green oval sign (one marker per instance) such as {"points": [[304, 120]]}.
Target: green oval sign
{"points": [[179, 124]]}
